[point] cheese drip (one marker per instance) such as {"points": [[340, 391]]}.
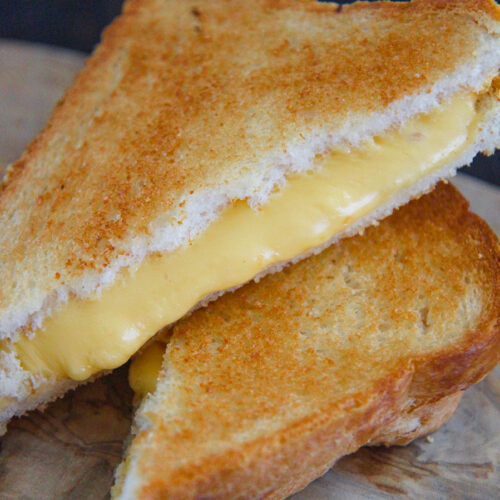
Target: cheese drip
{"points": [[86, 336], [145, 368]]}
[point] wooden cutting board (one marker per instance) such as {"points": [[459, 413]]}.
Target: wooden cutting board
{"points": [[71, 449]]}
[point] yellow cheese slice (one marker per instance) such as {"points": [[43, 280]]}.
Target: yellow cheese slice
{"points": [[87, 336]]}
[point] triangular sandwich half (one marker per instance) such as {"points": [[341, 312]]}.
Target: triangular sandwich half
{"points": [[206, 143], [372, 341]]}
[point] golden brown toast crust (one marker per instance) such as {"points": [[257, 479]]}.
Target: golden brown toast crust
{"points": [[183, 96], [430, 416], [268, 386]]}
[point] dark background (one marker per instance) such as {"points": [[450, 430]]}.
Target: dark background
{"points": [[77, 24]]}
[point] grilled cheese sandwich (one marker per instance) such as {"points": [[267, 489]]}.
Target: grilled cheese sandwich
{"points": [[187, 159], [310, 210]]}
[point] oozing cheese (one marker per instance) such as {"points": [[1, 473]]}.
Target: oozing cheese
{"points": [[145, 368], [91, 335]]}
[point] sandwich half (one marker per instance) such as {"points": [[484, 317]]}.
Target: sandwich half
{"points": [[373, 341], [206, 144]]}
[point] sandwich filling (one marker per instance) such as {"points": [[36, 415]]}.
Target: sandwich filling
{"points": [[145, 368], [86, 336]]}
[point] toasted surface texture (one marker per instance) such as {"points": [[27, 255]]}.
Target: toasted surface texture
{"points": [[187, 106], [373, 340]]}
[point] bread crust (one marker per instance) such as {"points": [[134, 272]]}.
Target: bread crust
{"points": [[126, 167], [372, 341], [400, 432], [417, 422]]}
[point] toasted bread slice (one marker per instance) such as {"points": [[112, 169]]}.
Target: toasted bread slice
{"points": [[371, 341], [183, 110]]}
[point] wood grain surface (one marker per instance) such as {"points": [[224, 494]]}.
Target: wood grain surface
{"points": [[69, 451]]}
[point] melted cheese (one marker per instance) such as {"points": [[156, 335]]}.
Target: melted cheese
{"points": [[88, 336], [145, 368]]}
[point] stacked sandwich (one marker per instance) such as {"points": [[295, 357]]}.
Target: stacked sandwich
{"points": [[209, 144]]}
